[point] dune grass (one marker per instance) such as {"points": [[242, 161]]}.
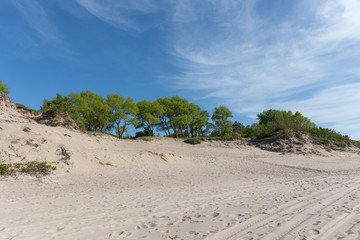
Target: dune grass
{"points": [[31, 168]]}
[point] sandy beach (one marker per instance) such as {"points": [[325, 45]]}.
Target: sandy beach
{"points": [[167, 189]]}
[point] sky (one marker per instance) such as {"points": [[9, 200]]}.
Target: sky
{"points": [[250, 56]]}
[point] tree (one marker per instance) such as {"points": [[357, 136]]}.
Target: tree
{"points": [[238, 129], [174, 108], [183, 118], [4, 88], [222, 124], [92, 109], [59, 104], [123, 113], [199, 120], [148, 115]]}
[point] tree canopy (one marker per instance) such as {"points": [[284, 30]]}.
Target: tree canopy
{"points": [[181, 118], [123, 113], [177, 117], [92, 109], [222, 124], [147, 116]]}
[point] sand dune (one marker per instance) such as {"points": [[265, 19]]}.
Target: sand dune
{"points": [[166, 189]]}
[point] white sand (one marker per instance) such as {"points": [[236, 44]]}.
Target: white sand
{"points": [[166, 189]]}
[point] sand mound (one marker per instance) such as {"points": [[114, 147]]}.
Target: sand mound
{"points": [[5, 102], [302, 144], [7, 107], [54, 119]]}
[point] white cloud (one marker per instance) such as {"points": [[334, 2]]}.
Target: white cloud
{"points": [[37, 17], [118, 13], [336, 107], [253, 61]]}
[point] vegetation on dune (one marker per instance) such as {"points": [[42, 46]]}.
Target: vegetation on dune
{"points": [[122, 113], [174, 116], [26, 109], [32, 168], [222, 126], [275, 123], [4, 88], [177, 117], [147, 116], [180, 118], [194, 141]]}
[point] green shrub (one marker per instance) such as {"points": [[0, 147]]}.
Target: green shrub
{"points": [[36, 168], [26, 109], [273, 123], [4, 88], [356, 143], [4, 169], [327, 134], [31, 168], [193, 141]]}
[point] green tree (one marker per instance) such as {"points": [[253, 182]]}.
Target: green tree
{"points": [[148, 115], [123, 113], [92, 109], [200, 119], [222, 125], [238, 129], [59, 104], [171, 118], [183, 118], [4, 88]]}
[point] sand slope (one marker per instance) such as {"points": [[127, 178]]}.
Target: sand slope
{"points": [[166, 189]]}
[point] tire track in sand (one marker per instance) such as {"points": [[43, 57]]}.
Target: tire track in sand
{"points": [[332, 227], [300, 207]]}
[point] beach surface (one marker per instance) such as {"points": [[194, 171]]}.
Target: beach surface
{"points": [[109, 188]]}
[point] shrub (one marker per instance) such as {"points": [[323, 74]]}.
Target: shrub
{"points": [[26, 109], [193, 141], [328, 134], [4, 88], [4, 169], [275, 123], [31, 168]]}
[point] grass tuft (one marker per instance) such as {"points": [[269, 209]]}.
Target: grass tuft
{"points": [[32, 168]]}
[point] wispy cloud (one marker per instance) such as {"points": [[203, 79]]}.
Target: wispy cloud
{"points": [[119, 13], [37, 18], [237, 53]]}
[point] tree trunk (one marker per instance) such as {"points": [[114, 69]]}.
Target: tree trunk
{"points": [[123, 130], [174, 129]]}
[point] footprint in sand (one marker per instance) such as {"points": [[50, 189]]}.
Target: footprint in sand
{"points": [[193, 232], [316, 223], [215, 214], [115, 234]]}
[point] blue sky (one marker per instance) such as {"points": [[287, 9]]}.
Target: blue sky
{"points": [[248, 55]]}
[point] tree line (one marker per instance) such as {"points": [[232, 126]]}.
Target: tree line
{"points": [[173, 116], [176, 117]]}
